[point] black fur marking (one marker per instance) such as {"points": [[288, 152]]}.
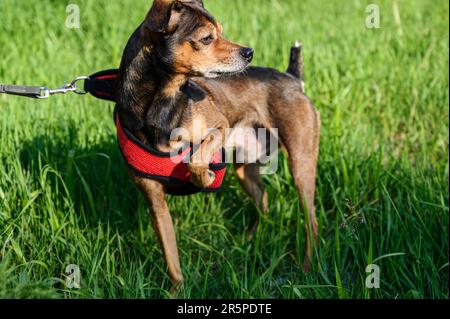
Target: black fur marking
{"points": [[194, 91], [163, 117]]}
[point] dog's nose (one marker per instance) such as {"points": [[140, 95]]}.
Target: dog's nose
{"points": [[247, 53]]}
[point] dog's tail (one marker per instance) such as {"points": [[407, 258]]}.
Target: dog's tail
{"points": [[296, 64]]}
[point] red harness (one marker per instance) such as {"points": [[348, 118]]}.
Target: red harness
{"points": [[172, 171]]}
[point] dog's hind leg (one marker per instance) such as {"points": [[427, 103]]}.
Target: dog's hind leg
{"points": [[154, 193], [301, 140], [250, 179], [304, 172]]}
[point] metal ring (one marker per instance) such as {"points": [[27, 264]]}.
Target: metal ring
{"points": [[73, 84]]}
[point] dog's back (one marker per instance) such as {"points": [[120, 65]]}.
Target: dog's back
{"points": [[258, 93]]}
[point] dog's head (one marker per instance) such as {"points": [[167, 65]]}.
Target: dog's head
{"points": [[187, 40]]}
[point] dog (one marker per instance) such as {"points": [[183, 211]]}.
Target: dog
{"points": [[177, 69]]}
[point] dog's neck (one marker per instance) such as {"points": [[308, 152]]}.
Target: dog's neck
{"points": [[150, 101]]}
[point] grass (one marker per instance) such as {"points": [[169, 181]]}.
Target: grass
{"points": [[383, 178]]}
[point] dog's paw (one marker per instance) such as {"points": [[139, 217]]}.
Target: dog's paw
{"points": [[201, 176]]}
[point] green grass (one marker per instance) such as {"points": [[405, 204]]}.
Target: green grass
{"points": [[383, 176]]}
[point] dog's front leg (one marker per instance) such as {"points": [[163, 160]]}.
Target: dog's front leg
{"points": [[200, 174], [154, 193]]}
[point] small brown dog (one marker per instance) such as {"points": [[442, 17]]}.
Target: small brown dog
{"points": [[172, 75]]}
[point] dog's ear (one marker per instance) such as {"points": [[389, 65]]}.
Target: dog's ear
{"points": [[158, 18], [164, 14]]}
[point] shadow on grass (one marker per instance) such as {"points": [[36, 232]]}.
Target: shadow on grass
{"points": [[94, 175]]}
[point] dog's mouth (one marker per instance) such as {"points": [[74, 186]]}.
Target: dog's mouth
{"points": [[220, 73]]}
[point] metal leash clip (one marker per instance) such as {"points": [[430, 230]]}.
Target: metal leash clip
{"points": [[66, 88]]}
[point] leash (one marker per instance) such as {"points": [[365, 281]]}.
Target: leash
{"points": [[101, 85]]}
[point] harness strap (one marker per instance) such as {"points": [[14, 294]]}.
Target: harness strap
{"points": [[169, 169], [148, 162], [102, 85]]}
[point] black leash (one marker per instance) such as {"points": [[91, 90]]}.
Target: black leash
{"points": [[102, 85]]}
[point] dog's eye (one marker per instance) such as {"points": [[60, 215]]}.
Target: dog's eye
{"points": [[207, 40]]}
